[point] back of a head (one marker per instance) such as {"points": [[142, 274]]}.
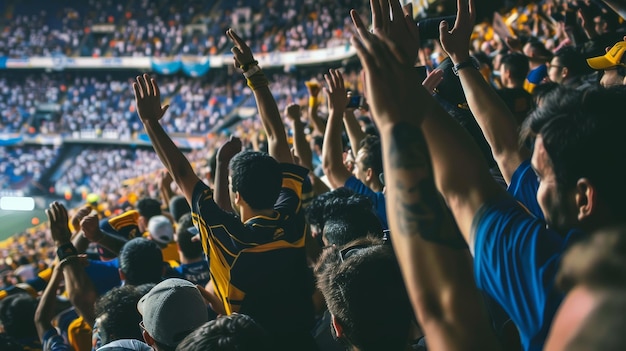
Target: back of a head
{"points": [[190, 249], [316, 211], [178, 206], [517, 65], [17, 314], [585, 139], [603, 329], [538, 51], [172, 310], [257, 177], [148, 207], [117, 314], [345, 276], [141, 261], [235, 332], [350, 219]]}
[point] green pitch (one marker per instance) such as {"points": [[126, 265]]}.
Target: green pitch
{"points": [[13, 222]]}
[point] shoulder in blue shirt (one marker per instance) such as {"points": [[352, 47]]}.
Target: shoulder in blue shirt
{"points": [[377, 198], [523, 187]]}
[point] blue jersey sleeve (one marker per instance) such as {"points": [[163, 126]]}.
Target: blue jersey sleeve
{"points": [[377, 199], [523, 187], [515, 261]]}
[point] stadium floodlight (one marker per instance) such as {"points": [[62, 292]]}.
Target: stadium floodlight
{"points": [[15, 203]]}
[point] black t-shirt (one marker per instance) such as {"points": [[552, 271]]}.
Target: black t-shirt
{"points": [[519, 101]]}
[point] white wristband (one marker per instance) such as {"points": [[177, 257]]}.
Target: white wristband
{"points": [[251, 71]]}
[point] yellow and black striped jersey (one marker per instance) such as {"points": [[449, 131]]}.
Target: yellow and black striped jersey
{"points": [[259, 267]]}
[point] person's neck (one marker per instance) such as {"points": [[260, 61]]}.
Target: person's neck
{"points": [[534, 64], [247, 213], [185, 260]]}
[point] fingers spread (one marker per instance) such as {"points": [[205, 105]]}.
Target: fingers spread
{"points": [[377, 14], [358, 23]]}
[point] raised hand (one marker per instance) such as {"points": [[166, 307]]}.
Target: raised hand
{"points": [[164, 179], [59, 228], [456, 42], [293, 112], [148, 99], [229, 149], [91, 228], [241, 51], [84, 211], [392, 20], [335, 91], [391, 85], [434, 78], [313, 87]]}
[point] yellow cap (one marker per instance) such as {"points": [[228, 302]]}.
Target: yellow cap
{"points": [[611, 59]]}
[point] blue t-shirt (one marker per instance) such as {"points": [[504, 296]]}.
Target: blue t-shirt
{"points": [[516, 259], [104, 275], [197, 272], [523, 187], [52, 341], [377, 198]]}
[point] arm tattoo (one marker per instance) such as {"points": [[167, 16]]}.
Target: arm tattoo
{"points": [[419, 206]]}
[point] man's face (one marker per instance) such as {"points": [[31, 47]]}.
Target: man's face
{"points": [[555, 71], [558, 209], [359, 170]]}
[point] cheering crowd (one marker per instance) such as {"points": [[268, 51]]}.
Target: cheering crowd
{"points": [[457, 192]]}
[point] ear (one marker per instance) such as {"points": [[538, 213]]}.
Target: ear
{"points": [[238, 199], [586, 201], [337, 326], [141, 223], [368, 174], [147, 338], [565, 72]]}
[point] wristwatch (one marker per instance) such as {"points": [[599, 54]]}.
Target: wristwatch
{"points": [[251, 71], [471, 62]]}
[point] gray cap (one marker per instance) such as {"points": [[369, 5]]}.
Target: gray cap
{"points": [[171, 310]]}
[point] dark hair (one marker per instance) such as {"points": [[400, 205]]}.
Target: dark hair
{"points": [[178, 206], [517, 64], [345, 276], [190, 249], [351, 218], [235, 332], [141, 261], [319, 141], [541, 90], [148, 207], [316, 212], [8, 343], [119, 307], [585, 139], [570, 58], [17, 313], [543, 54], [257, 177], [373, 154]]}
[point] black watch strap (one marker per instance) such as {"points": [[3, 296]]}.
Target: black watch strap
{"points": [[66, 250], [471, 62]]}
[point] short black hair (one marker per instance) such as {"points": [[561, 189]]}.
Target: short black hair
{"points": [[235, 332], [373, 154], [141, 261], [121, 317], [190, 249], [17, 313], [316, 212], [148, 207], [573, 60], [178, 206], [517, 64], [344, 276], [353, 218], [257, 177]]}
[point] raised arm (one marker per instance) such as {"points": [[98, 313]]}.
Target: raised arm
{"points": [[148, 99], [47, 302], [226, 152], [164, 184], [332, 157], [438, 278], [492, 115], [319, 126], [91, 231], [353, 129], [270, 116], [78, 285], [78, 239], [301, 146]]}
